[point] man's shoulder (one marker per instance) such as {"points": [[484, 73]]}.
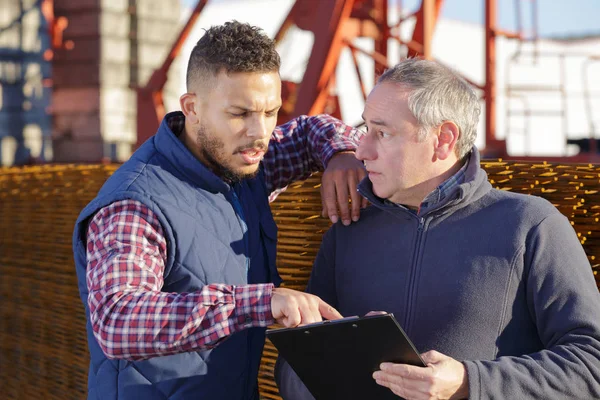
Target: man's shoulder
{"points": [[371, 219], [524, 206], [153, 182]]}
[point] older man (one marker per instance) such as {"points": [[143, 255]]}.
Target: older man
{"points": [[492, 286]]}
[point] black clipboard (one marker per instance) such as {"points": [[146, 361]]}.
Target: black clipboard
{"points": [[336, 359]]}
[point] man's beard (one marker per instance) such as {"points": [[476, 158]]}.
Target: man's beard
{"points": [[211, 150]]}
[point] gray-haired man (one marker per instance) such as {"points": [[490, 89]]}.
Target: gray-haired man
{"points": [[493, 286]]}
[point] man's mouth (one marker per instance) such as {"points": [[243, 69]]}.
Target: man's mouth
{"points": [[252, 156]]}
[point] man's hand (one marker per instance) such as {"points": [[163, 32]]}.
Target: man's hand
{"points": [[443, 378], [292, 308], [339, 183]]}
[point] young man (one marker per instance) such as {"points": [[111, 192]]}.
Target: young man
{"points": [[494, 287], [176, 255]]}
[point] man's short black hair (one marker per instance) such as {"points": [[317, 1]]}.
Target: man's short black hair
{"points": [[231, 47]]}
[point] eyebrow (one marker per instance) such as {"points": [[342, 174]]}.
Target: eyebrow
{"points": [[245, 109], [375, 121]]}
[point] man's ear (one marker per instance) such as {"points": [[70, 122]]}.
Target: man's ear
{"points": [[189, 107], [448, 134]]}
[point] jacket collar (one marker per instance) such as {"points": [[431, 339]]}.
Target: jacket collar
{"points": [[475, 181], [170, 146]]}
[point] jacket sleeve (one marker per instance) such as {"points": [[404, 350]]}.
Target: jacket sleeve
{"points": [[322, 284], [565, 305], [290, 386], [305, 145]]}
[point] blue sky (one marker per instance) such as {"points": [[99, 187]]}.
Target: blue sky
{"points": [[555, 17]]}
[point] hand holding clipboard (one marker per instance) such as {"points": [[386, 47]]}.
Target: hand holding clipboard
{"points": [[347, 351]]}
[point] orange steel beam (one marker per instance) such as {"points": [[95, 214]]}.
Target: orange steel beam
{"points": [[335, 23], [493, 146], [287, 23], [328, 22], [381, 41], [426, 19], [150, 104], [379, 59]]}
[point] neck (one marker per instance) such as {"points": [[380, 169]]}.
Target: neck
{"points": [[188, 138], [419, 192]]}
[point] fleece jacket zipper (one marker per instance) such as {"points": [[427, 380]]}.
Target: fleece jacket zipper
{"points": [[414, 272]]}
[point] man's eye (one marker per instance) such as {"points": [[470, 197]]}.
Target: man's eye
{"points": [[238, 115], [383, 135], [271, 114]]}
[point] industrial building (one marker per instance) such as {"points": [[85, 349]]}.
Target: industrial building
{"points": [[72, 74]]}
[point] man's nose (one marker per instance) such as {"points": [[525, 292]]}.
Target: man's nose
{"points": [[258, 128], [366, 150]]}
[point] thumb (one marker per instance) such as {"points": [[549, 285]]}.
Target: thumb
{"points": [[432, 357], [371, 313], [328, 311]]}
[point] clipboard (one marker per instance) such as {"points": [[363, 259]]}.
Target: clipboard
{"points": [[336, 359]]}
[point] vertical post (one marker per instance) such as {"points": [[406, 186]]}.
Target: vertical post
{"points": [[330, 16], [381, 42], [429, 18], [426, 18], [492, 144], [21, 155]]}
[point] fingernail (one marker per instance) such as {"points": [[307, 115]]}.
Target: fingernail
{"points": [[384, 366], [376, 375], [355, 218], [334, 219], [346, 222]]}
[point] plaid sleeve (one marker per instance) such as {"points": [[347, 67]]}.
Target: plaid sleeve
{"points": [[131, 317], [303, 146]]}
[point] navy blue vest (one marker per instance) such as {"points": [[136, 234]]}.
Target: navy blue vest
{"points": [[216, 233]]}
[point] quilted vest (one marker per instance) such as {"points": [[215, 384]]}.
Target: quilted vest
{"points": [[216, 233]]}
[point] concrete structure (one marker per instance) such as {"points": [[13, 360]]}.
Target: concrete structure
{"points": [[80, 104], [117, 44]]}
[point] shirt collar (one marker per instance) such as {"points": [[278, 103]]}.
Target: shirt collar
{"points": [[442, 191], [176, 122]]}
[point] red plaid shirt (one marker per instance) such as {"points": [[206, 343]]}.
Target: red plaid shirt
{"points": [[127, 250]]}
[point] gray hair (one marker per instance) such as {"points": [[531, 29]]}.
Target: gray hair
{"points": [[436, 95]]}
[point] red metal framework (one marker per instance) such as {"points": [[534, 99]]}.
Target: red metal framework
{"points": [[150, 103], [335, 25]]}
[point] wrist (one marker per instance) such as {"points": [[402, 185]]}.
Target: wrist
{"points": [[335, 153], [253, 305], [463, 389]]}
